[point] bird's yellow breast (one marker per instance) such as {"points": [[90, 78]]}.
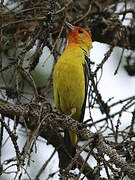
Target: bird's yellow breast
{"points": [[69, 82]]}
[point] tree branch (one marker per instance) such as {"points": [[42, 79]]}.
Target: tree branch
{"points": [[101, 21], [50, 118]]}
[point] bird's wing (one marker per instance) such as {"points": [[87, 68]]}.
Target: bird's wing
{"points": [[86, 75]]}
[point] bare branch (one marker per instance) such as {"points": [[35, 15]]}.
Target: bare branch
{"points": [[66, 122]]}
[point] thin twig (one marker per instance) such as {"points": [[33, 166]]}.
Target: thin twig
{"points": [[44, 165]]}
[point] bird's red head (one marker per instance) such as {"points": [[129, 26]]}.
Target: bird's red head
{"points": [[77, 36]]}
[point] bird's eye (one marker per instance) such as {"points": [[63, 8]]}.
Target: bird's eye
{"points": [[80, 31]]}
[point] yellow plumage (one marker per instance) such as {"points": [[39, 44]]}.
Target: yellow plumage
{"points": [[69, 81], [69, 84]]}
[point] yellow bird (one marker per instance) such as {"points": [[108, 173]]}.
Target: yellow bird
{"points": [[70, 83]]}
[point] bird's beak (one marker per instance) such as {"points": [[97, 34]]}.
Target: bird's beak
{"points": [[70, 26]]}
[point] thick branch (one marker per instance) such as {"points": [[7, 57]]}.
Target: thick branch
{"points": [[48, 118], [30, 115]]}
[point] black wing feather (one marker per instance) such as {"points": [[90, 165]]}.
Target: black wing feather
{"points": [[86, 75]]}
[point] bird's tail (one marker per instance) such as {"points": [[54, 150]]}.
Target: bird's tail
{"points": [[70, 139], [65, 156]]}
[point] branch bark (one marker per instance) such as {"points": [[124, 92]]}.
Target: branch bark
{"points": [[32, 113]]}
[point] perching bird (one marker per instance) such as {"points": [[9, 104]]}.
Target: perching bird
{"points": [[70, 84]]}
